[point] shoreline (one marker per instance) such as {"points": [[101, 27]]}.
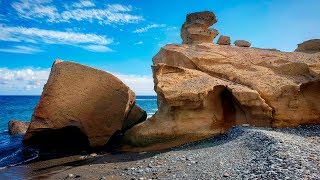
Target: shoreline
{"points": [[244, 152]]}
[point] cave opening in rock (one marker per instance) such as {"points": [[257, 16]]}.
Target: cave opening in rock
{"points": [[232, 111], [69, 138]]}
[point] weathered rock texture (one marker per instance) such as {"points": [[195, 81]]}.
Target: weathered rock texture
{"points": [[16, 127], [196, 28], [205, 89], [82, 102], [311, 46], [224, 40], [242, 43]]}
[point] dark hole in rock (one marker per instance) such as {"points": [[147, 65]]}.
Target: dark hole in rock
{"points": [[228, 106], [66, 139]]}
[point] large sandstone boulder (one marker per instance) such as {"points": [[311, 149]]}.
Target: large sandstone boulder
{"points": [[224, 40], [16, 127], [205, 89], [311, 46], [80, 105], [196, 28], [242, 43]]}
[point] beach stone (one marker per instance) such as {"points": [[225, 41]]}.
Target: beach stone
{"points": [[312, 46], [16, 127], [242, 43], [70, 175], [224, 40], [81, 106], [196, 29], [226, 174]]}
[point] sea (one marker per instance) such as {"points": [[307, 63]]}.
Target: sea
{"points": [[12, 151]]}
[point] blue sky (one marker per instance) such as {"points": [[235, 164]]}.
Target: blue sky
{"points": [[122, 36]]}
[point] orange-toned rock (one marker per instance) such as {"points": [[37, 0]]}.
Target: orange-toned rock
{"points": [[310, 46], [17, 127], [86, 104], [204, 89], [196, 28], [224, 40], [242, 43]]}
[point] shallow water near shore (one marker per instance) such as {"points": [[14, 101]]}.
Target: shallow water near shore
{"points": [[12, 151]]}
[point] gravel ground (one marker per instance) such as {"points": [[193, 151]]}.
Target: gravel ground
{"points": [[243, 153]]}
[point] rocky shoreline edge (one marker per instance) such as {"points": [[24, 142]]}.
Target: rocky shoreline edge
{"points": [[243, 153]]}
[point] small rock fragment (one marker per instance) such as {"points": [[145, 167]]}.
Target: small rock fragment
{"points": [[242, 43], [70, 176], [224, 40], [93, 154], [226, 174]]}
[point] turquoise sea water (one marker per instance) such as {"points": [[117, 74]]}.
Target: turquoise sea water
{"points": [[12, 152]]}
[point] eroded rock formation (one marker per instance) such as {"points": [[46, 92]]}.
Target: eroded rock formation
{"points": [[196, 28], [205, 89], [81, 105], [310, 46], [16, 127]]}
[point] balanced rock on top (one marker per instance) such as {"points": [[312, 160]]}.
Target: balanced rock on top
{"points": [[242, 43], [196, 28], [224, 40]]}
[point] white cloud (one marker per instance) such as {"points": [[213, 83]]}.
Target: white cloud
{"points": [[50, 36], [31, 9], [21, 50], [21, 81], [97, 48], [141, 85], [151, 26], [81, 11], [32, 80], [84, 3], [35, 35], [139, 43]]}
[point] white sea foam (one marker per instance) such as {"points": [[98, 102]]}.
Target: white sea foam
{"points": [[10, 156], [27, 160], [15, 154]]}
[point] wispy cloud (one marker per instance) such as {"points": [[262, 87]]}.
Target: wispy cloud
{"points": [[97, 48], [21, 50], [139, 43], [151, 26], [81, 11], [35, 35], [34, 9], [32, 80], [84, 3]]}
